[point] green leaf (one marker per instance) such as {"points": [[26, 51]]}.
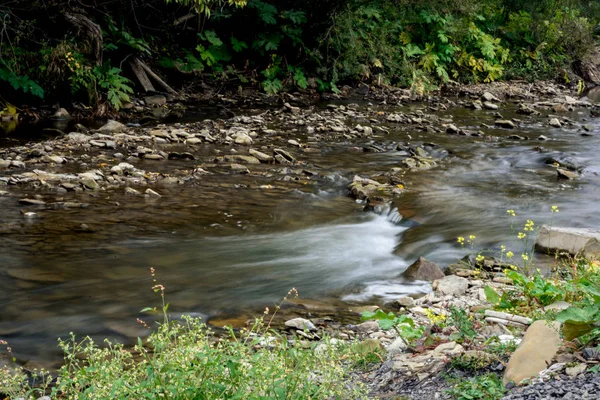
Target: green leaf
{"points": [[238, 45], [147, 309], [491, 295]]}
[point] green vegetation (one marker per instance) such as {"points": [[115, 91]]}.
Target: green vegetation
{"points": [[402, 324], [484, 387], [46, 48], [184, 359]]}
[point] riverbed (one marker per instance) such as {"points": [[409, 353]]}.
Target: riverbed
{"points": [[228, 236]]}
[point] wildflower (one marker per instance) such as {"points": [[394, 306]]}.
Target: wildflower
{"points": [[479, 258], [472, 237], [525, 257], [511, 213], [529, 225], [555, 209], [266, 310], [513, 267], [461, 240], [502, 248], [510, 254], [521, 235]]}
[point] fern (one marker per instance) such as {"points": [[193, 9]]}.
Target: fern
{"points": [[117, 86], [22, 83]]}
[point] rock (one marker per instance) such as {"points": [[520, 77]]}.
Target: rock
{"points": [[129, 191], [239, 169], [451, 285], [242, 138], [505, 123], [153, 157], [554, 122], [487, 96], [405, 302], [17, 164], [368, 327], [292, 109], [262, 157], [448, 349], [452, 129], [181, 156], [490, 106], [53, 160], [539, 346], [566, 174], [151, 193], [396, 347], [35, 275], [112, 127], [4, 164], [423, 270], [285, 155], [76, 137], [527, 110], [156, 100], [576, 370], [89, 183], [570, 240], [62, 114], [301, 324]]}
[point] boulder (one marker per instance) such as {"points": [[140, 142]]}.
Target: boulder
{"points": [[539, 346], [569, 240], [451, 285], [566, 174], [242, 138], [487, 96], [423, 270]]}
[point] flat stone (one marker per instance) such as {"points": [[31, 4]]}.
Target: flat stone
{"points": [[423, 270], [505, 123], [569, 240], [241, 159], [566, 174], [405, 302], [132, 192], [490, 106], [90, 183], [576, 370], [451, 285], [557, 306], [301, 324], [153, 157], [262, 157], [539, 346], [239, 168], [487, 96]]}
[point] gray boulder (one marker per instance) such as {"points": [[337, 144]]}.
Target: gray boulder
{"points": [[451, 285]]}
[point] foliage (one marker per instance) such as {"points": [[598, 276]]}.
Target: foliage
{"points": [[116, 86], [463, 323], [22, 83], [402, 324], [484, 387], [184, 360]]}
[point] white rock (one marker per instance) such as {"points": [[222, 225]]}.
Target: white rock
{"points": [[301, 324], [452, 284]]}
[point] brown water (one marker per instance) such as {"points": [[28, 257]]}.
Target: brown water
{"points": [[227, 244]]}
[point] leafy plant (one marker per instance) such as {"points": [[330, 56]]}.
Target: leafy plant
{"points": [[402, 324], [116, 86], [22, 83], [484, 387], [463, 323]]}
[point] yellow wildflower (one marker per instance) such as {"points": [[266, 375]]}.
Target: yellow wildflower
{"points": [[555, 209], [461, 240], [472, 237], [529, 225], [521, 235], [510, 254], [479, 258], [511, 213], [525, 257]]}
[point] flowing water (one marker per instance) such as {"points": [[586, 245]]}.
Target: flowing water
{"points": [[224, 247]]}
